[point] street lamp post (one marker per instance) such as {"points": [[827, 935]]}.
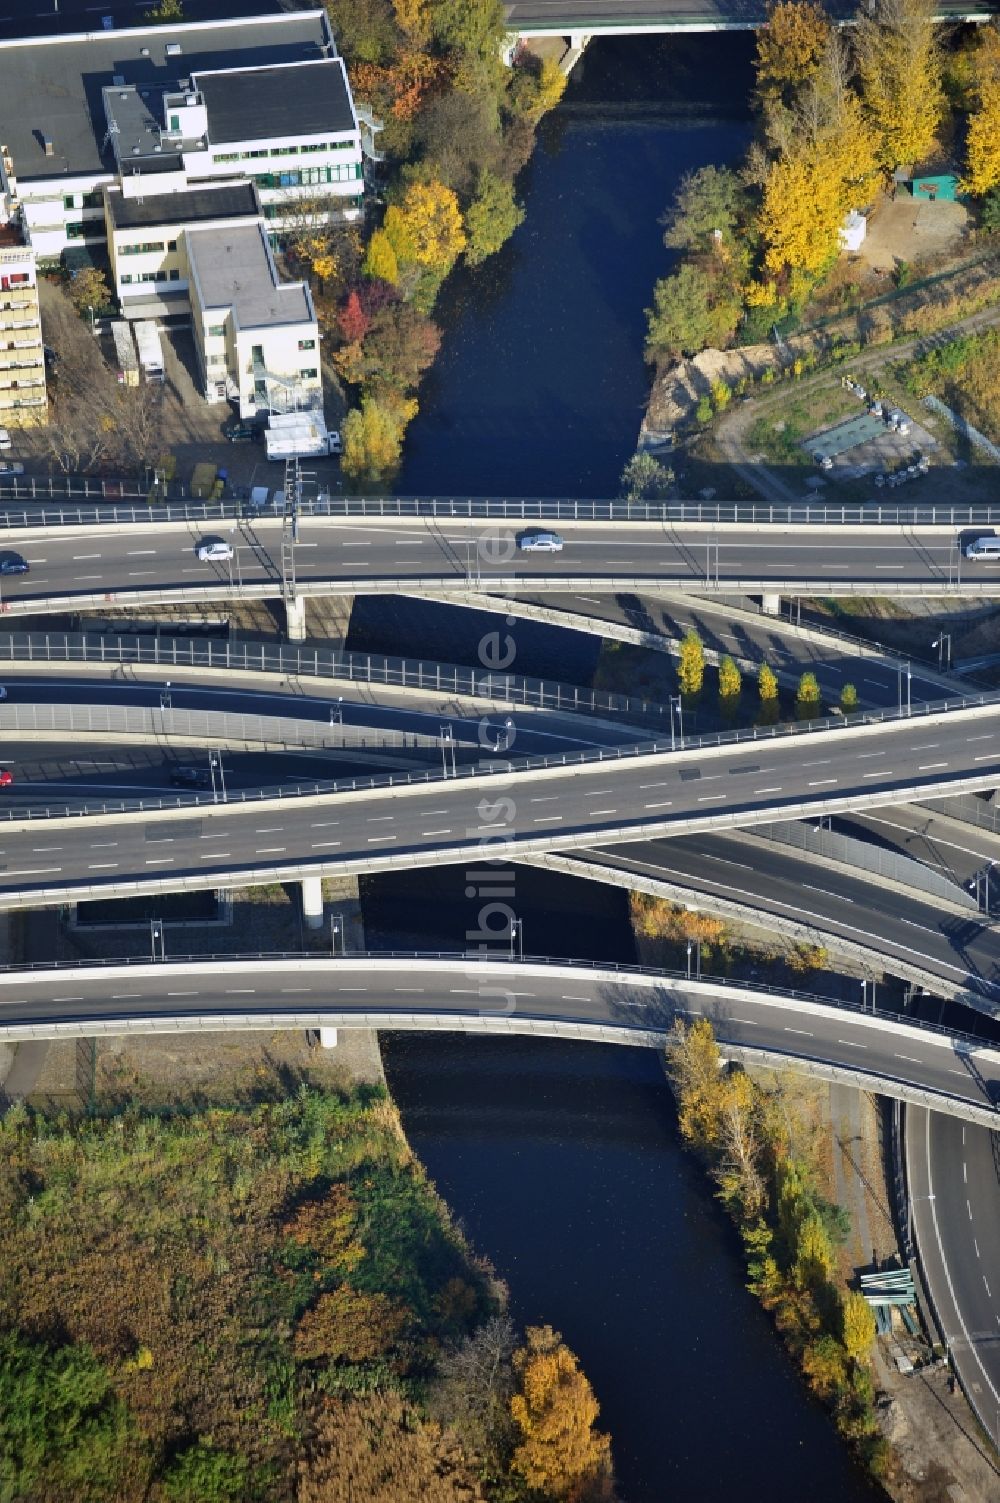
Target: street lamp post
{"points": [[337, 711], [215, 762], [516, 934], [899, 685], [689, 948], [943, 652], [336, 928], [676, 704], [157, 947], [447, 743], [166, 699]]}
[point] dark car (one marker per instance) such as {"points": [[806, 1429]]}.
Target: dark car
{"points": [[13, 563], [240, 433], [190, 777]]}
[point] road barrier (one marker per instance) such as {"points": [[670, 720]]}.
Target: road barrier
{"points": [[853, 853], [322, 663], [486, 508], [220, 728]]}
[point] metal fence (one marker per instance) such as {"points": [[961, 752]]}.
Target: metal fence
{"points": [[871, 858], [482, 508], [216, 726], [970, 810], [505, 766], [320, 662]]}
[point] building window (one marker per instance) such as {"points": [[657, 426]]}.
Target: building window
{"points": [[257, 354], [147, 248], [307, 344], [74, 231], [226, 156], [216, 331], [171, 245], [72, 201], [309, 374], [175, 275], [175, 122], [93, 200], [126, 280]]}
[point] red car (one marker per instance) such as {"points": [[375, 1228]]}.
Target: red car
{"points": [[6, 777]]}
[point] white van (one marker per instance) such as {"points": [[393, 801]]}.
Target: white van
{"points": [[984, 548]]}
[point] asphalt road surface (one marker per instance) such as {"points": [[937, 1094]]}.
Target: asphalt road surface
{"points": [[953, 1175], [334, 554], [523, 997], [505, 813]]}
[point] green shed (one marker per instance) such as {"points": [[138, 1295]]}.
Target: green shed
{"points": [[943, 188]]}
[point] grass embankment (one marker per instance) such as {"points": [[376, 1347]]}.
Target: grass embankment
{"points": [[262, 1303], [965, 374], [768, 1178]]}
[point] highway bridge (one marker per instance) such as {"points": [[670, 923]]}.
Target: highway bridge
{"points": [[580, 20], [88, 568], [509, 809], [560, 999]]}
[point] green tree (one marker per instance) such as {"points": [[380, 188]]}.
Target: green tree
{"points": [[990, 211], [475, 27], [372, 440], [691, 311], [491, 218], [767, 688], [644, 478], [858, 1326], [848, 699], [63, 1432], [814, 1259], [706, 212], [807, 698], [203, 1474], [165, 12], [691, 665], [730, 686]]}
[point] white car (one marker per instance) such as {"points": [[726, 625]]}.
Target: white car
{"points": [[3, 692], [11, 467], [540, 542], [214, 550], [5, 442]]}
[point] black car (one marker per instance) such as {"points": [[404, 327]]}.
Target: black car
{"points": [[13, 563], [190, 777], [240, 433]]}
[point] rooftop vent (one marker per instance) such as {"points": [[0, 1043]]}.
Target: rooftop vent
{"points": [[47, 146], [118, 79], [172, 49], [136, 150], [143, 51]]}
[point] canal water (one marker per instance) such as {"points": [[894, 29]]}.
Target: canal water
{"points": [[562, 1160]]}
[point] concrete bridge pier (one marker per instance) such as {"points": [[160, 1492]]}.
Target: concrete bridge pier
{"points": [[577, 45], [295, 618], [312, 902], [771, 605]]}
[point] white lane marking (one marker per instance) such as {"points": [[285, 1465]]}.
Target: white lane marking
{"points": [[767, 790], [377, 819], [101, 866], [595, 812], [823, 762], [239, 991], [436, 832], [822, 782], [38, 850], [850, 1043], [139, 552], [965, 1174], [548, 799], [78, 558], [747, 1022], [988, 1290], [987, 757], [124, 996], [214, 856], [547, 819], [324, 845], [324, 824], [408, 989], [708, 798], [929, 766], [270, 850], [663, 803], [159, 860], [102, 845], [67, 999], [269, 830], [863, 756], [285, 989], [463, 991], [644, 786], [374, 839], [866, 775], [910, 1060], [182, 994], [568, 998], [803, 1031]]}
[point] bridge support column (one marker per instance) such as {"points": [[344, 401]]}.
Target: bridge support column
{"points": [[771, 605], [312, 902], [328, 1038], [295, 617]]}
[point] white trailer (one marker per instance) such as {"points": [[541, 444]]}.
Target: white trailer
{"points": [[147, 338], [126, 364], [301, 435]]}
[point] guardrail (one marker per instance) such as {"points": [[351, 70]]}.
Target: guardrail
{"points": [[500, 508], [970, 810], [473, 958], [507, 766], [218, 726], [873, 858], [319, 662]]}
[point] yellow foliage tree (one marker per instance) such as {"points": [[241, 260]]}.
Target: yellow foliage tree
{"points": [[814, 1260], [426, 228], [380, 262], [691, 666], [559, 1452], [858, 1322], [982, 144], [372, 441], [899, 61], [693, 1063], [414, 18], [790, 45], [730, 684]]}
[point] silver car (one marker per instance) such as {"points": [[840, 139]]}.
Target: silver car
{"points": [[540, 542], [214, 550]]}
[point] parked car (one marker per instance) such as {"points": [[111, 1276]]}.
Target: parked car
{"points": [[189, 777], [214, 550], [540, 542], [823, 460], [240, 433], [11, 467], [6, 777], [5, 440], [13, 563], [3, 693]]}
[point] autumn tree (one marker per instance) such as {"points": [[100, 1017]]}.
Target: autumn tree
{"points": [[350, 1324], [352, 319], [165, 13], [694, 1066], [414, 18], [740, 1176], [559, 1452], [380, 261], [899, 61], [88, 290], [767, 688], [372, 437], [857, 1326], [848, 699], [982, 142], [790, 48], [730, 685], [491, 218], [474, 1386], [691, 665], [807, 697], [426, 228], [400, 345]]}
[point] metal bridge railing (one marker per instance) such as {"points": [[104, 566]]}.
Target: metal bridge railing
{"points": [[34, 512], [323, 663], [872, 858]]}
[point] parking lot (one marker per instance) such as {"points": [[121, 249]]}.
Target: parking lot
{"points": [[882, 443]]}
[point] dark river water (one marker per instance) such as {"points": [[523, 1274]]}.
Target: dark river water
{"points": [[562, 1160]]}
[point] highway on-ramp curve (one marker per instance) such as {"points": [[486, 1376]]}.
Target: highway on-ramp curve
{"points": [[336, 555], [557, 998], [563, 804]]}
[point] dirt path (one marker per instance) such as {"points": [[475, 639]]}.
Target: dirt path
{"points": [[734, 426]]}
